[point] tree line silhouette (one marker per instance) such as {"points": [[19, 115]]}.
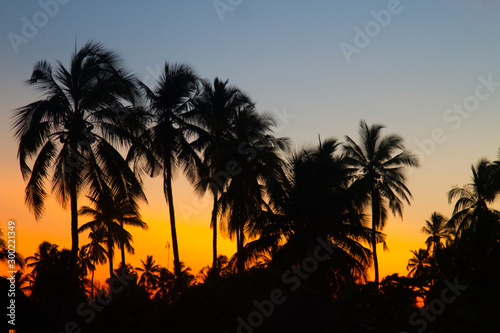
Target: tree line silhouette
{"points": [[274, 202]]}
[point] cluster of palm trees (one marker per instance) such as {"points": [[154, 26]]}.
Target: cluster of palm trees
{"points": [[98, 130], [471, 219]]}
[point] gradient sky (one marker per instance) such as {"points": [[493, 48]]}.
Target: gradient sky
{"points": [[287, 56]]}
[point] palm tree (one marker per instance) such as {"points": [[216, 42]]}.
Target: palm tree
{"points": [[256, 153], [149, 278], [166, 281], [111, 214], [379, 180], [225, 269], [164, 146], [68, 130], [311, 199], [473, 198], [182, 282], [438, 231], [46, 252], [420, 264], [214, 112], [85, 263], [96, 252]]}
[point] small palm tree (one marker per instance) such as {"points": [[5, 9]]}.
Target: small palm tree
{"points": [[96, 252], [149, 277], [225, 269], [67, 131], [46, 253], [380, 180], [182, 282], [166, 282], [420, 264], [111, 214], [438, 232]]}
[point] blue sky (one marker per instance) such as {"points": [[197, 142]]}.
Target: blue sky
{"points": [[286, 55]]}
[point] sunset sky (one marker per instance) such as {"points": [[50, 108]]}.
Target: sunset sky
{"points": [[417, 67]]}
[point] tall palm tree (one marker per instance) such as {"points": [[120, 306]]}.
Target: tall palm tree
{"points": [[149, 276], [111, 214], [420, 264], [379, 162], [164, 146], [214, 111], [256, 153], [68, 132], [473, 198], [438, 232]]}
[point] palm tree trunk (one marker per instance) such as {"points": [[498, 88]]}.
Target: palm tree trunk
{"points": [[92, 286], [238, 251], [110, 257], [122, 248], [375, 223], [167, 184], [123, 255], [74, 221], [213, 224], [239, 259]]}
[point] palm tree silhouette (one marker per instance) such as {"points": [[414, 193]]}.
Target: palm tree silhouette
{"points": [[420, 264], [311, 200], [214, 112], [438, 232], [164, 146], [46, 252], [149, 278], [225, 269], [473, 198], [111, 214], [379, 179], [256, 153], [68, 130], [166, 281], [182, 282], [96, 252]]}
